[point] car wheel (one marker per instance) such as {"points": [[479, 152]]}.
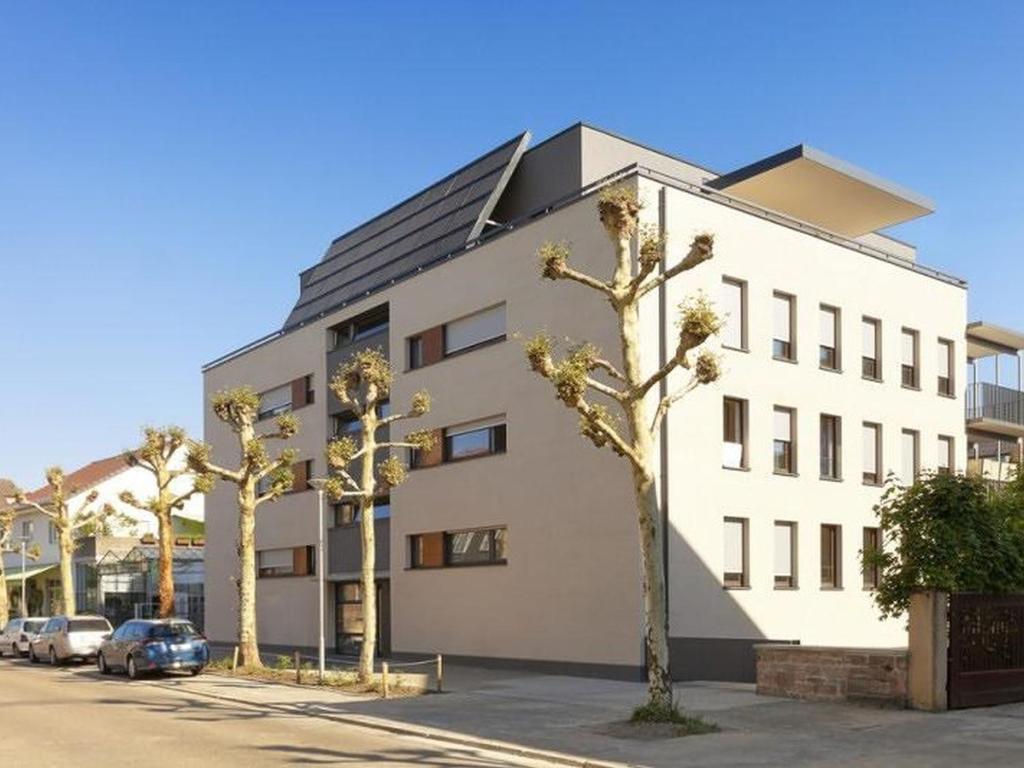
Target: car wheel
{"points": [[133, 671], [101, 665], [15, 653], [32, 655], [195, 671], [53, 658]]}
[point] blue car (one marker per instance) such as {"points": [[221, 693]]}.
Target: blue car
{"points": [[140, 646]]}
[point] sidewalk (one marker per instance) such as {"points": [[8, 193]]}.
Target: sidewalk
{"points": [[566, 715]]}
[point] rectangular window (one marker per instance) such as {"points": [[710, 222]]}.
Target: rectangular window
{"points": [[910, 459], [785, 555], [289, 561], [734, 309], [784, 323], [872, 543], [872, 453], [368, 324], [51, 533], [831, 444], [416, 359], [828, 350], [947, 457], [909, 358], [471, 440], [831, 558], [479, 328], [735, 563], [871, 353], [26, 529], [348, 512], [275, 402], [945, 368], [479, 547], [734, 433], [784, 446]]}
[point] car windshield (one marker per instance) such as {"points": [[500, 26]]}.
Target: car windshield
{"points": [[32, 626], [178, 629], [88, 625]]}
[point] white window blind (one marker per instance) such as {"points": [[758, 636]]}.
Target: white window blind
{"points": [[276, 558], [945, 449], [944, 355], [909, 348], [783, 425], [827, 321], [733, 546], [870, 338], [870, 449], [276, 400], [909, 458], [783, 549], [732, 309], [782, 317], [475, 329]]}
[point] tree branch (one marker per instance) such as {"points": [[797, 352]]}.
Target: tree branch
{"points": [[568, 273], [701, 249], [49, 513], [608, 368], [604, 389], [668, 400]]}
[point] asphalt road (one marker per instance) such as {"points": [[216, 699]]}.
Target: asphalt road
{"points": [[72, 716]]}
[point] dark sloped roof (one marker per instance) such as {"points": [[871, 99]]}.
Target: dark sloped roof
{"points": [[441, 219], [84, 478]]}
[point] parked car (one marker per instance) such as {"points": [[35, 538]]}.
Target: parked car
{"points": [[157, 645], [15, 636], [63, 638]]}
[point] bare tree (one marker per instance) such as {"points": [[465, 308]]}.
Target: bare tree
{"points": [[239, 409], [361, 384], [585, 381], [159, 455], [69, 525], [7, 516]]}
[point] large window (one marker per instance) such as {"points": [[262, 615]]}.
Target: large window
{"points": [[947, 456], [290, 561], [784, 324], [828, 350], [735, 562], [479, 547], [348, 512], [734, 308], [872, 543], [275, 402], [785, 555], [831, 443], [784, 443], [479, 328], [872, 453], [910, 458], [910, 359], [471, 440], [945, 368], [871, 352], [366, 325], [734, 433], [831, 557]]}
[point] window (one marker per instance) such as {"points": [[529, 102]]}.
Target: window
{"points": [[831, 443], [947, 457], [910, 463], [872, 453], [26, 529], [290, 561], [472, 440], [734, 307], [785, 555], [480, 328], [275, 402], [871, 353], [910, 358], [784, 446], [51, 533], [349, 617], [348, 424], [872, 543], [347, 512], [416, 359], [784, 320], [735, 563], [831, 560], [480, 547], [734, 433], [945, 368], [359, 328], [828, 349]]}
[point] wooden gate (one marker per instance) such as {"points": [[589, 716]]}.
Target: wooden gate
{"points": [[986, 650]]}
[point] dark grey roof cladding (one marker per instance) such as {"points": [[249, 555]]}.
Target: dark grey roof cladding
{"points": [[439, 220]]}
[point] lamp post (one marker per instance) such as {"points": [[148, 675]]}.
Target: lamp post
{"points": [[24, 605], [319, 483]]}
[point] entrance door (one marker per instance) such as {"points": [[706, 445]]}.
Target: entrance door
{"points": [[986, 650], [348, 616]]}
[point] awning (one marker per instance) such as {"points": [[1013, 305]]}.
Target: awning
{"points": [[15, 575]]}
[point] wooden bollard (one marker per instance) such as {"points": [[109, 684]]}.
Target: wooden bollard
{"points": [[298, 668], [384, 679], [440, 674]]}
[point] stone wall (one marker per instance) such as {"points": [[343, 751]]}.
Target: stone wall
{"points": [[865, 675]]}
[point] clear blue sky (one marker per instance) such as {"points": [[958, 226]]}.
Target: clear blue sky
{"points": [[167, 169]]}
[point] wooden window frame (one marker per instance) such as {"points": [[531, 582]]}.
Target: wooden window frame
{"points": [[835, 539]]}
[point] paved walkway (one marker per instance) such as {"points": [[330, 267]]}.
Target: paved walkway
{"points": [[567, 715]]}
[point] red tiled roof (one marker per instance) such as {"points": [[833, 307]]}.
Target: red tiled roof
{"points": [[83, 478]]}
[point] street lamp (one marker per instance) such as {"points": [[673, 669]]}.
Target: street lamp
{"points": [[319, 483], [24, 605]]}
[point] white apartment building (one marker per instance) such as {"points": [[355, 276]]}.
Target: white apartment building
{"points": [[844, 360]]}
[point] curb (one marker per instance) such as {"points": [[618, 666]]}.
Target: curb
{"points": [[422, 732]]}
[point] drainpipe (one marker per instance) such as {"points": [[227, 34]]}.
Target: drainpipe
{"points": [[663, 390]]}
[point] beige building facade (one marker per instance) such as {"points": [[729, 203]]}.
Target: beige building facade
{"points": [[843, 360]]}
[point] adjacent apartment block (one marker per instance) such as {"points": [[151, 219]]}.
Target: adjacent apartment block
{"points": [[844, 360]]}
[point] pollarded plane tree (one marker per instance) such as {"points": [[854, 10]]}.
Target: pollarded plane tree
{"points": [[174, 484], [612, 401], [238, 408], [361, 385]]}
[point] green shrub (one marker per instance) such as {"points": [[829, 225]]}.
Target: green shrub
{"points": [[672, 715]]}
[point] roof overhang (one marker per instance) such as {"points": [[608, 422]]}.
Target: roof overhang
{"points": [[808, 184], [16, 575], [985, 340]]}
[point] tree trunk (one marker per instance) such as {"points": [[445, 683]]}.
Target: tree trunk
{"points": [[248, 648], [369, 561], [165, 565], [5, 603], [67, 574]]}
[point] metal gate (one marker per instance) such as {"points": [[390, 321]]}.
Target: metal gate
{"points": [[986, 650]]}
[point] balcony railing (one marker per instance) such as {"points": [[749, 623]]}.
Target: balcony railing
{"points": [[990, 401]]}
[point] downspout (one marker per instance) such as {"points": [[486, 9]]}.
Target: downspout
{"points": [[663, 429]]}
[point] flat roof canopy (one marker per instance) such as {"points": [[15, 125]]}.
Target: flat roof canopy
{"points": [[985, 339], [808, 184]]}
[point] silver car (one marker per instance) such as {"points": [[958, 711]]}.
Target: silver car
{"points": [[15, 637], [63, 638]]}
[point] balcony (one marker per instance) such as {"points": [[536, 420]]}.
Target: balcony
{"points": [[995, 409], [345, 549]]}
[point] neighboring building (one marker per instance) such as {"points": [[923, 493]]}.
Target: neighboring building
{"points": [[109, 477], [516, 542]]}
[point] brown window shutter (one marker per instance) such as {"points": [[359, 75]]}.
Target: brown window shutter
{"points": [[433, 344], [433, 550], [300, 561], [435, 455], [300, 476], [299, 393]]}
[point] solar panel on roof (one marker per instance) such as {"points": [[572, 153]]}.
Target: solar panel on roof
{"points": [[418, 231]]}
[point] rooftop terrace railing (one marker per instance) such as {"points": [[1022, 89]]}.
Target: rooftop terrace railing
{"points": [[991, 401]]}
